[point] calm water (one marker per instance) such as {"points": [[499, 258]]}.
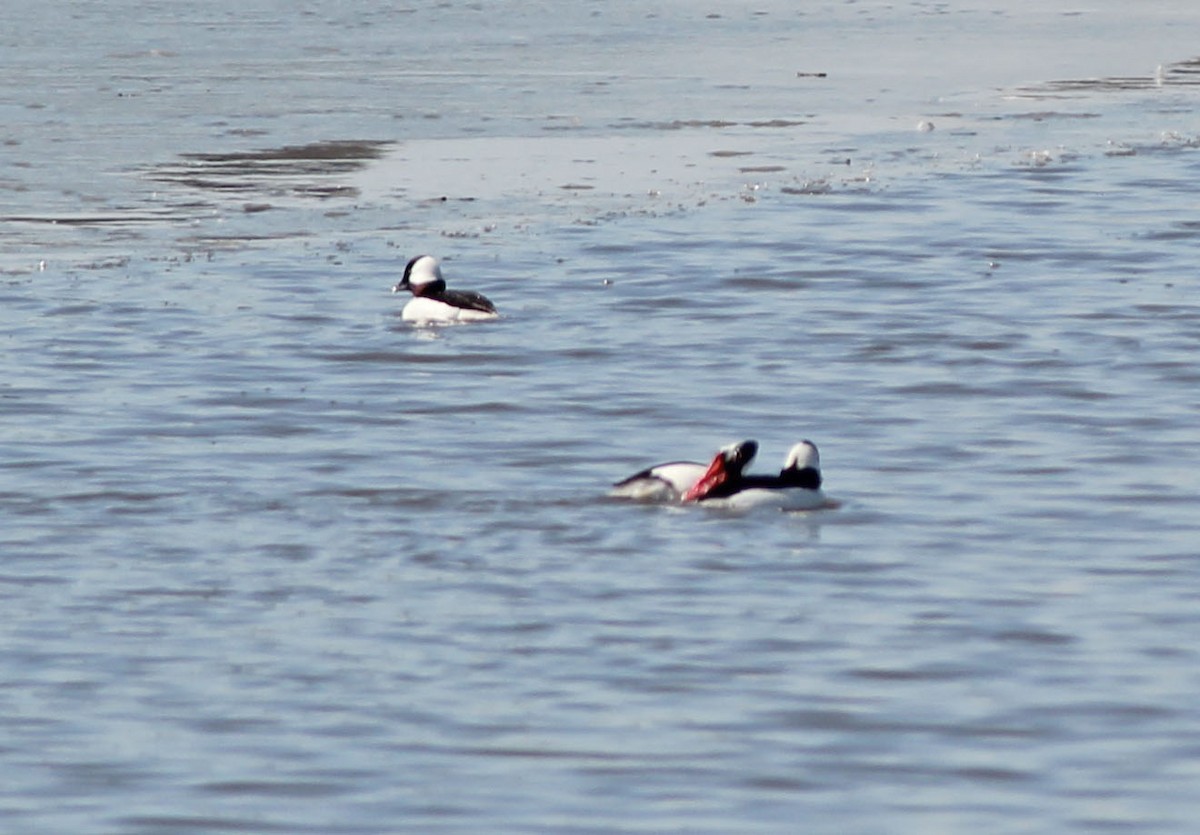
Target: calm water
{"points": [[274, 561]]}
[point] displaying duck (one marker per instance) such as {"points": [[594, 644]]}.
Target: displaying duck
{"points": [[670, 481], [432, 302], [797, 487]]}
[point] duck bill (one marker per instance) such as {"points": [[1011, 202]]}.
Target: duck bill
{"points": [[713, 477]]}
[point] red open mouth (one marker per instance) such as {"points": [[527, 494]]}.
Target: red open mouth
{"points": [[713, 477]]}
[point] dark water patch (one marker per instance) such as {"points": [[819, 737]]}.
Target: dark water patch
{"points": [[864, 720], [304, 318], [947, 388], [995, 774], [209, 823], [230, 243], [491, 407], [1178, 74], [580, 755], [1188, 558], [664, 304], [336, 156], [159, 593], [1059, 388], [1114, 713], [783, 784], [587, 353], [324, 192], [100, 776], [933, 673], [768, 284], [280, 788], [1038, 471], [1043, 115], [1035, 637], [295, 168], [1177, 231], [30, 580], [115, 497], [988, 345], [110, 219], [23, 404], [288, 551], [1086, 86], [1182, 311], [673, 125], [410, 498], [1137, 572], [1186, 71]]}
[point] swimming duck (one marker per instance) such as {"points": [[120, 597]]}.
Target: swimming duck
{"points": [[432, 302]]}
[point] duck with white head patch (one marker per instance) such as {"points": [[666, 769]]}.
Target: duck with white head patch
{"points": [[797, 487], [670, 481], [433, 303]]}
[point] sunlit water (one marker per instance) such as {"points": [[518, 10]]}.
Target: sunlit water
{"points": [[273, 560]]}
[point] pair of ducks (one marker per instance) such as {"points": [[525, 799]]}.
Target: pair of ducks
{"points": [[720, 483]]}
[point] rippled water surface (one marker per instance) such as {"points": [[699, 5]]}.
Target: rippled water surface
{"points": [[273, 560]]}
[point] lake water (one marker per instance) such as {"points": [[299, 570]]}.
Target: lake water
{"points": [[273, 560]]}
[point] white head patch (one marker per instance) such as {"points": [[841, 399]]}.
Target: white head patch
{"points": [[424, 270], [803, 455]]}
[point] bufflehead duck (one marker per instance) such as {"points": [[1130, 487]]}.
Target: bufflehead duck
{"points": [[797, 487], [432, 302], [668, 482]]}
